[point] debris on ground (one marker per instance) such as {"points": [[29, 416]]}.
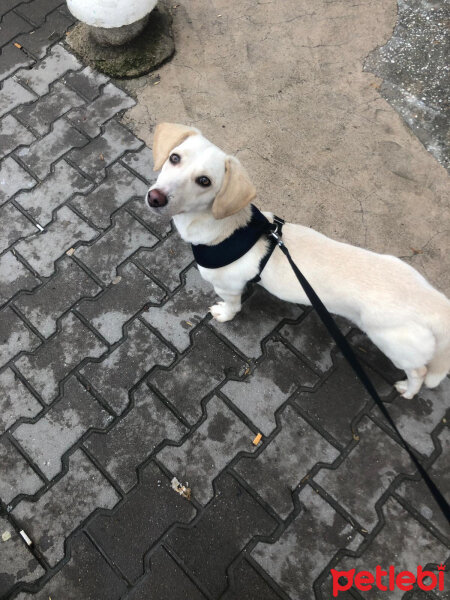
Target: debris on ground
{"points": [[181, 489]]}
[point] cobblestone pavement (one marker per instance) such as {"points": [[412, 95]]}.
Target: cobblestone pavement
{"points": [[114, 379]]}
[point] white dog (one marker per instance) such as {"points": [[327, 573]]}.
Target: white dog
{"points": [[208, 195]]}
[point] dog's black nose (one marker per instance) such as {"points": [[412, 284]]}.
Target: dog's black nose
{"points": [[156, 198]]}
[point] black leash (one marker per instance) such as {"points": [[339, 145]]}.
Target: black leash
{"points": [[348, 353]]}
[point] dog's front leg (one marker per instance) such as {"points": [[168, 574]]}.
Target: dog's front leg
{"points": [[226, 310]]}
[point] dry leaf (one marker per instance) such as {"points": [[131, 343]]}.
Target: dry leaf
{"points": [[70, 252], [6, 535], [181, 489]]}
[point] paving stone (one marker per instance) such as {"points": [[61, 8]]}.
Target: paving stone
{"points": [[165, 581], [259, 315], [227, 524], [204, 367], [16, 561], [7, 5], [36, 11], [16, 400], [110, 311], [11, 60], [160, 225], [305, 547], [40, 115], [42, 200], [18, 226], [87, 576], [286, 461], [183, 311], [264, 390], [17, 475], [12, 135], [12, 179], [67, 420], [15, 337], [142, 163], [166, 261], [118, 244], [44, 152], [45, 306], [41, 38], [50, 520], [246, 582], [90, 117], [11, 26], [119, 371], [139, 521], [389, 548], [208, 450], [40, 76], [339, 399], [135, 436], [12, 95], [58, 356], [119, 186], [86, 82], [14, 277], [377, 460], [104, 150], [41, 251], [417, 494], [370, 354]]}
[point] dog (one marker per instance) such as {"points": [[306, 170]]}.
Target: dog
{"points": [[208, 195]]}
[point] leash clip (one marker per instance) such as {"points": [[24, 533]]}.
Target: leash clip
{"points": [[275, 234]]}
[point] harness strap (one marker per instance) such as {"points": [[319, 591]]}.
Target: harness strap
{"points": [[348, 353], [273, 228]]}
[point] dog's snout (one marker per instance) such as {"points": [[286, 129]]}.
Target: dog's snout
{"points": [[156, 198]]}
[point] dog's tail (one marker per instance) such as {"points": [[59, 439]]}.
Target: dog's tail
{"points": [[439, 365]]}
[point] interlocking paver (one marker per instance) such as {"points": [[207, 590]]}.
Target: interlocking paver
{"points": [[42, 250], [54, 433], [142, 163], [12, 135], [42, 200], [41, 114], [167, 260], [86, 82], [40, 76], [140, 520], [16, 561], [17, 475], [18, 226], [211, 361], [11, 59], [11, 26], [183, 311], [259, 315], [160, 225], [14, 277], [12, 95], [274, 379], [247, 583], [40, 39], [226, 525], [90, 117], [119, 186], [114, 376], [15, 400], [13, 178], [45, 306], [48, 521], [87, 576], [208, 450], [104, 150], [44, 152], [306, 546], [14, 336], [110, 311], [58, 356], [288, 458], [134, 438], [37, 10], [119, 243], [7, 5]]}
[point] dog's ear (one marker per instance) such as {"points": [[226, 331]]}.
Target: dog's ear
{"points": [[236, 192], [167, 137]]}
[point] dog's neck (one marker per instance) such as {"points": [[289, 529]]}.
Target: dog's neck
{"points": [[203, 228]]}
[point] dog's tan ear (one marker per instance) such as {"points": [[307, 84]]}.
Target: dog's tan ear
{"points": [[236, 192], [167, 137]]}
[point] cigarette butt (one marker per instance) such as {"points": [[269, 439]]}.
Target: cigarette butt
{"points": [[257, 439], [70, 252], [25, 538], [17, 45]]}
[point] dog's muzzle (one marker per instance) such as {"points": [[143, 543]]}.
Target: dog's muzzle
{"points": [[156, 198]]}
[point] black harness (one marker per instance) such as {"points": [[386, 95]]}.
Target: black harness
{"points": [[239, 243]]}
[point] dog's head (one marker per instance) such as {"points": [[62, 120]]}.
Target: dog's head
{"points": [[196, 176]]}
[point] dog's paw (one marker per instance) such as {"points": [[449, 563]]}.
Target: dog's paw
{"points": [[222, 312], [402, 387]]}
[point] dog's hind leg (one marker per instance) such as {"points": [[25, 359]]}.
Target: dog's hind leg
{"points": [[409, 387]]}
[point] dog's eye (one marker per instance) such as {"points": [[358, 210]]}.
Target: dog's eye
{"points": [[203, 181], [174, 158]]}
